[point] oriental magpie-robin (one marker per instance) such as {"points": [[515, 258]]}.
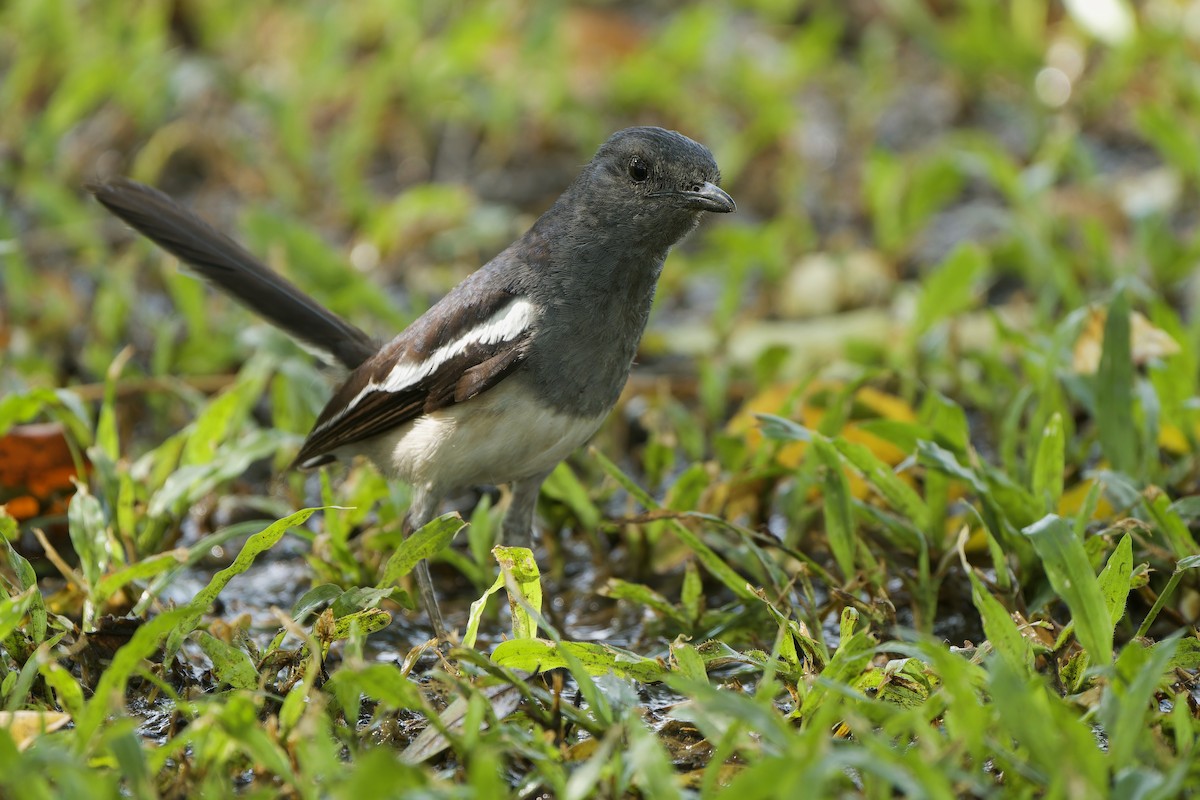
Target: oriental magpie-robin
{"points": [[513, 369]]}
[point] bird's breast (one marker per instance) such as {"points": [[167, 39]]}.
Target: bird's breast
{"points": [[587, 339], [505, 434]]}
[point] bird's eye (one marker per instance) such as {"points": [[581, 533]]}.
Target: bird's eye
{"points": [[638, 169]]}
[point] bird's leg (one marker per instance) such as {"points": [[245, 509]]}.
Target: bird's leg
{"points": [[517, 528], [429, 600], [422, 509]]}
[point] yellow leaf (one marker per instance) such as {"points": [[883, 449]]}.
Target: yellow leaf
{"points": [[26, 726], [1147, 342], [1072, 499]]}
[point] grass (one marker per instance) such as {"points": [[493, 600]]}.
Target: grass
{"points": [[900, 499]]}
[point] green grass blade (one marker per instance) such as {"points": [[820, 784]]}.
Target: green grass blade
{"points": [[536, 655], [1071, 575], [421, 544], [1130, 697], [1191, 562], [1048, 463], [254, 546], [524, 582], [1169, 522], [230, 664], [899, 494], [1116, 579], [26, 579], [950, 288], [707, 556], [839, 513], [1114, 390], [1006, 640]]}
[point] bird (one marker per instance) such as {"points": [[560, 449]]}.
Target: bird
{"points": [[512, 370]]}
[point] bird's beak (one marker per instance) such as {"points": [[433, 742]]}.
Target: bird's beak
{"points": [[709, 197]]}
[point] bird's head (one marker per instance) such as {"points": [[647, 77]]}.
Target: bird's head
{"points": [[652, 185]]}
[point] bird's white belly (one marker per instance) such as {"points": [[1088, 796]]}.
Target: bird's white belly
{"points": [[498, 437]]}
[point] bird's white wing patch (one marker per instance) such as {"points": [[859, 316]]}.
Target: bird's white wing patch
{"points": [[505, 325]]}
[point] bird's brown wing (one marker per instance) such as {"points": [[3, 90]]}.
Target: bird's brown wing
{"points": [[462, 347]]}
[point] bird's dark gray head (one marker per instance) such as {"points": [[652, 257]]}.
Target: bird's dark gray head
{"points": [[593, 260], [655, 164], [649, 186]]}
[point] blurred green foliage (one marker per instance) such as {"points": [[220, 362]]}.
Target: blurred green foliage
{"points": [[954, 548]]}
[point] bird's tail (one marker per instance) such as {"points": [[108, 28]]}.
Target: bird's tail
{"points": [[224, 262]]}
